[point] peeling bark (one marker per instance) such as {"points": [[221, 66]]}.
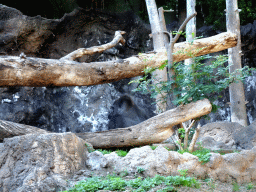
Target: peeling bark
{"points": [[37, 72]]}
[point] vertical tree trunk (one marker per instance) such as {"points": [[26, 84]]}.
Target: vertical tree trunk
{"points": [[236, 90], [191, 26], [158, 42]]}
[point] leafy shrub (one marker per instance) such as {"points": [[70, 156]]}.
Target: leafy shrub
{"points": [[192, 82]]}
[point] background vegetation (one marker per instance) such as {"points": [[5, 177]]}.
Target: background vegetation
{"points": [[209, 12]]}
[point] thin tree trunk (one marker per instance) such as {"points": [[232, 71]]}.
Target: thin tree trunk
{"points": [[236, 90], [36, 72], [159, 46], [191, 26]]}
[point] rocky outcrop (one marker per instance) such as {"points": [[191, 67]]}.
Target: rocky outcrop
{"points": [[240, 167], [40, 162], [53, 162], [75, 109]]}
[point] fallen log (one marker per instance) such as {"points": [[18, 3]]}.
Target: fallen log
{"points": [[11, 129], [153, 130], [36, 72]]}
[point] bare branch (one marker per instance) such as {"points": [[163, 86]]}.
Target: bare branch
{"points": [[182, 27], [96, 49]]}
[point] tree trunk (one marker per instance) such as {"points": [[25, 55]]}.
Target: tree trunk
{"points": [[153, 130], [159, 46], [36, 72], [236, 90], [191, 26]]}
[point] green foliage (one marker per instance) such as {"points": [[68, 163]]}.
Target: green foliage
{"points": [[153, 147], [104, 151], [183, 172], [181, 132], [140, 170], [250, 186], [124, 173], [193, 82], [203, 154], [167, 189], [121, 153], [114, 183], [89, 148], [236, 187]]}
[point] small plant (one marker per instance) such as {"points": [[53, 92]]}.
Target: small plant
{"points": [[121, 153], [250, 186], [167, 189], [167, 148], [124, 173], [236, 187], [183, 172], [211, 184], [89, 148], [153, 147], [104, 152], [140, 170]]}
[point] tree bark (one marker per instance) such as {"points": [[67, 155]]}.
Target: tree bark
{"points": [[37, 72], [159, 46], [236, 90], [11, 129], [153, 130]]}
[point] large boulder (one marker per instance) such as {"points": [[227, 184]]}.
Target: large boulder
{"points": [[40, 162], [228, 136]]}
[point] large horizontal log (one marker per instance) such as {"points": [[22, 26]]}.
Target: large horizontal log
{"points": [[19, 71], [153, 130]]}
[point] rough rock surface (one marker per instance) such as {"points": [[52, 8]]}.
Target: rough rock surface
{"points": [[40, 162], [75, 109], [227, 135], [46, 162], [240, 167]]}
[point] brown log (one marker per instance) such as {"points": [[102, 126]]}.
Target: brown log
{"points": [[36, 72], [11, 129], [153, 130]]}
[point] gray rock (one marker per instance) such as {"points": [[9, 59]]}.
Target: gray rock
{"points": [[40, 162], [219, 135], [228, 136]]}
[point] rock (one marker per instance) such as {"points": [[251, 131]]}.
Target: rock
{"points": [[64, 109], [227, 136], [246, 137], [40, 162], [219, 135], [96, 160], [238, 166]]}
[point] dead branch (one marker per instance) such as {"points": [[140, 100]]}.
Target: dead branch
{"points": [[96, 49]]}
